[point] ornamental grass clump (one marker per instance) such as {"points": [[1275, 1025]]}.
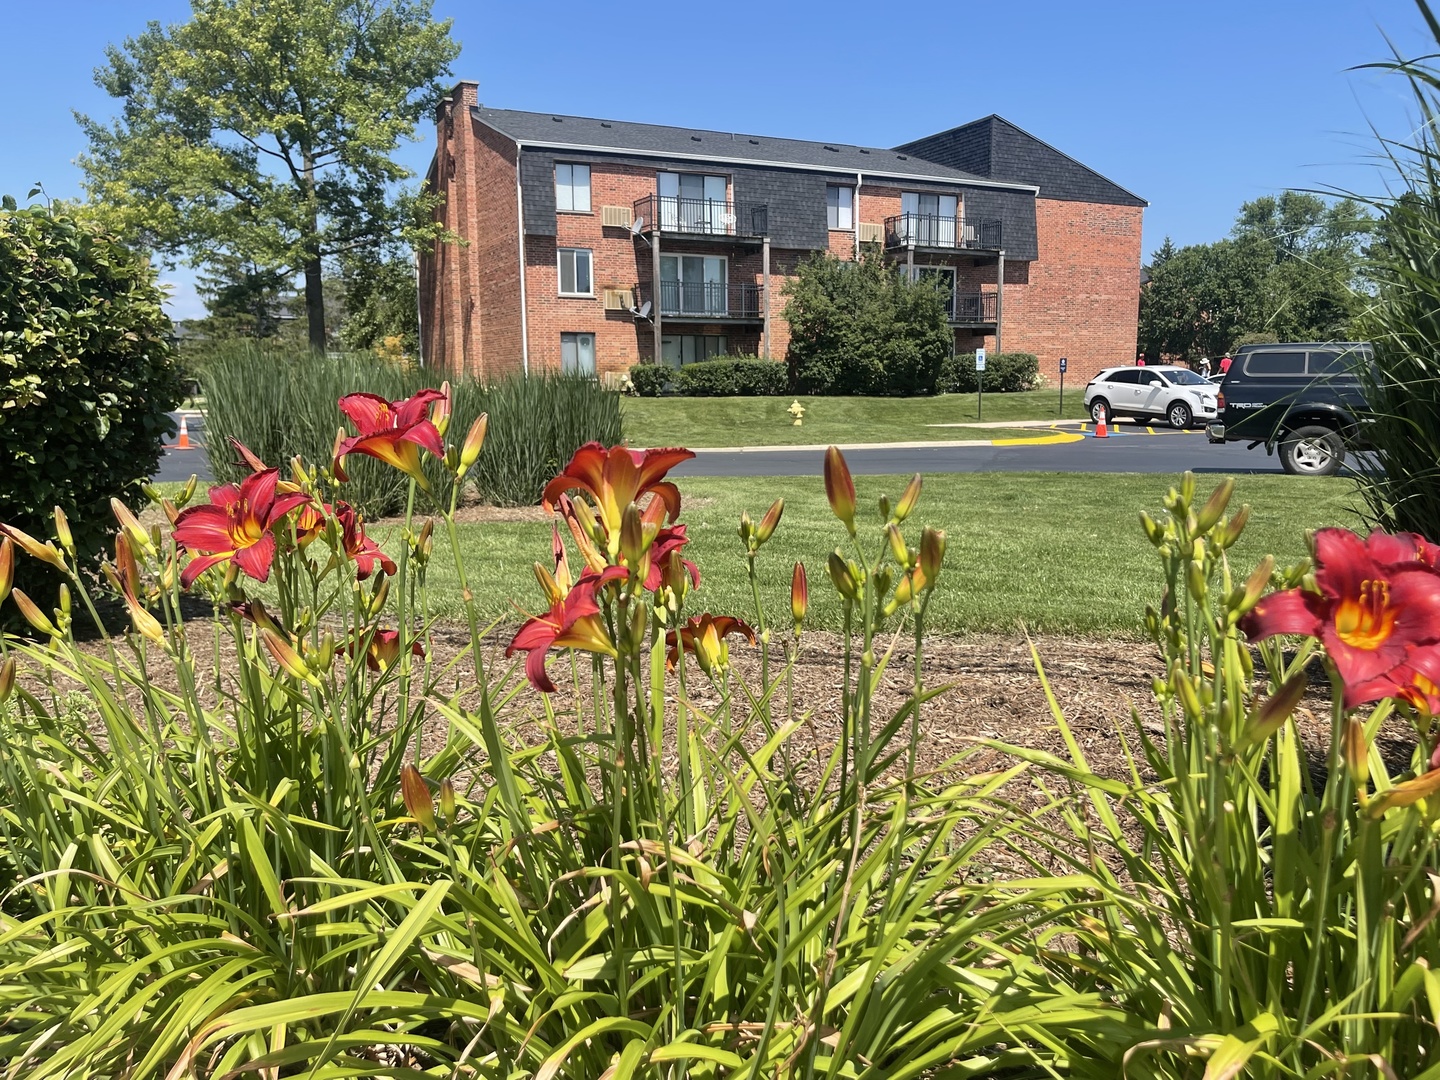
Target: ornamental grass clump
{"points": [[306, 836]]}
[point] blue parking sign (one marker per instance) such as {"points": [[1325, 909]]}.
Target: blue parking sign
{"points": [[1064, 363]]}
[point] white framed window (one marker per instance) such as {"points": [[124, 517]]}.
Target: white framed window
{"points": [[694, 285], [577, 354], [840, 206], [928, 219], [572, 188], [692, 202], [680, 349], [575, 279]]}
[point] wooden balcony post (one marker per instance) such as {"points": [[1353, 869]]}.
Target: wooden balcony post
{"points": [[655, 288], [999, 299], [765, 284]]}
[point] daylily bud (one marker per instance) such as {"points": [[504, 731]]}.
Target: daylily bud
{"points": [[637, 626], [46, 553], [337, 462], [188, 493], [474, 441], [932, 553], [33, 615], [911, 495], [768, 523], [1187, 487], [285, 655], [799, 595], [839, 488], [1357, 752], [897, 546], [7, 678], [380, 594], [880, 583], [7, 567], [911, 585], [172, 512], [64, 610], [447, 801], [426, 543], [1275, 710], [1236, 526], [133, 529], [324, 657], [747, 528], [1255, 585], [884, 506], [840, 574], [440, 411], [1215, 505], [62, 531], [1195, 581], [1153, 529], [632, 536], [419, 803], [1185, 690], [1404, 794]]}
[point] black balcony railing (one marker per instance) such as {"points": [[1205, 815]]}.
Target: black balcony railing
{"points": [[970, 309], [936, 231], [707, 299], [702, 217]]}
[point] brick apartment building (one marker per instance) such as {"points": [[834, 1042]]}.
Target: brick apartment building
{"points": [[595, 244]]}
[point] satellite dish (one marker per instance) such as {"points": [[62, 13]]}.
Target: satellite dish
{"points": [[645, 310], [636, 226]]}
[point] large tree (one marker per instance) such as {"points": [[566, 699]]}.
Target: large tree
{"points": [[260, 132]]}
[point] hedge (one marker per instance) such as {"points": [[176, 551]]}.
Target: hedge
{"points": [[651, 380], [732, 377], [1005, 373]]}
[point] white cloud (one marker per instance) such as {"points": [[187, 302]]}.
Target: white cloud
{"points": [[182, 301]]}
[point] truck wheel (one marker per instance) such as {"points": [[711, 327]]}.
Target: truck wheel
{"points": [[1313, 450], [1179, 415]]}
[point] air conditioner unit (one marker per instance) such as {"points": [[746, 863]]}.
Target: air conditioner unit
{"points": [[617, 216], [619, 299], [871, 233]]}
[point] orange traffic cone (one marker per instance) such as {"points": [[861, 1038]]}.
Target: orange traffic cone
{"points": [[183, 442], [1101, 430]]}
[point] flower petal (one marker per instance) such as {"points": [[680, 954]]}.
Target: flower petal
{"points": [[255, 560], [1288, 612]]}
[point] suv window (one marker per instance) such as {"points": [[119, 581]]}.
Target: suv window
{"points": [[1275, 363], [1128, 375], [1327, 363], [1150, 378]]}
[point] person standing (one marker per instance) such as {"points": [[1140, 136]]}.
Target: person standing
{"points": [[1224, 363], [1204, 367], [1140, 360]]}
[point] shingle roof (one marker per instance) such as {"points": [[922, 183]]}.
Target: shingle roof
{"points": [[547, 129]]}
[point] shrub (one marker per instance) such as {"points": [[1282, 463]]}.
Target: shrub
{"points": [[280, 404], [726, 376], [858, 327], [1005, 373], [651, 380], [89, 373]]}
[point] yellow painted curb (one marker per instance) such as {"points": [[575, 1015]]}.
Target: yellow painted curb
{"points": [[1042, 440]]}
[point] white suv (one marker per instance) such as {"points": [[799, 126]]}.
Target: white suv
{"points": [[1177, 394]]}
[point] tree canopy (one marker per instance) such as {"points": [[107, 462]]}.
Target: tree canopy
{"points": [[1290, 271], [259, 133]]}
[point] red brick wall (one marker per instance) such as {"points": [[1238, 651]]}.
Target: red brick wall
{"points": [[1081, 298]]}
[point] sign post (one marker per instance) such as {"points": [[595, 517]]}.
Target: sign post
{"points": [[979, 383], [1064, 363]]}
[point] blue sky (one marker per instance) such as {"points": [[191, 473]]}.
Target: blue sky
{"points": [[1196, 106]]}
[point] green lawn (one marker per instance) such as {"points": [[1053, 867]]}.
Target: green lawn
{"points": [[1058, 553], [763, 421]]}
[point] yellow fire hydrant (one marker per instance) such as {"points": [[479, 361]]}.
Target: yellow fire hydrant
{"points": [[797, 411]]}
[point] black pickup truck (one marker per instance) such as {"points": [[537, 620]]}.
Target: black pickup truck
{"points": [[1306, 400]]}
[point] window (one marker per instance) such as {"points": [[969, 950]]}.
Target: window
{"points": [[577, 354], [688, 348], [1151, 378], [575, 272], [1129, 376], [928, 219], [572, 188], [694, 285], [1275, 363], [839, 206], [690, 202]]}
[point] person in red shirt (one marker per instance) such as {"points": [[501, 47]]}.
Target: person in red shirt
{"points": [[1224, 363], [1140, 361]]}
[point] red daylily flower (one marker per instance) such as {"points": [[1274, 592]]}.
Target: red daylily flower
{"points": [[704, 635], [392, 431], [383, 649], [364, 551], [667, 541], [1415, 681], [573, 622], [1377, 598], [617, 477], [235, 525]]}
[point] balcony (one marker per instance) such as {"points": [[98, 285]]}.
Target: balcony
{"points": [[707, 301], [970, 309], [702, 217], [932, 232]]}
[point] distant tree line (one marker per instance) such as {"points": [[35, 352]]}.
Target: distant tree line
{"points": [[1292, 269]]}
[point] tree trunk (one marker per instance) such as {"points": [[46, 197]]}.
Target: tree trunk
{"points": [[314, 283]]}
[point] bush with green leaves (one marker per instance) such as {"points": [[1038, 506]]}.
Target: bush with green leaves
{"points": [[651, 380], [859, 327], [88, 372], [1005, 373], [733, 376], [280, 404]]}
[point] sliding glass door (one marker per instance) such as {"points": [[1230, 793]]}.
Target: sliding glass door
{"points": [[928, 219], [694, 285], [693, 203]]}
